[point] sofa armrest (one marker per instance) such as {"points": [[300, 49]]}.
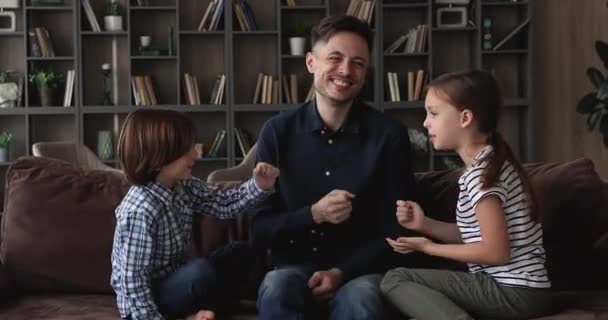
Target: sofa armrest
{"points": [[243, 171]]}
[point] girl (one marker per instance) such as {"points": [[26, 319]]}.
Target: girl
{"points": [[496, 233], [153, 233]]}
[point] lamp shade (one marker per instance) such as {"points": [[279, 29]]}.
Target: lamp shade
{"points": [[9, 4]]}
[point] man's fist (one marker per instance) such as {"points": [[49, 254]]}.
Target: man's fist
{"points": [[265, 175], [335, 207]]}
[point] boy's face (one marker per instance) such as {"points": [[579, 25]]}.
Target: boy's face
{"points": [[339, 67], [181, 168]]}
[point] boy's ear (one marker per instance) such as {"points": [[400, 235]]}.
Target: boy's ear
{"points": [[466, 118]]}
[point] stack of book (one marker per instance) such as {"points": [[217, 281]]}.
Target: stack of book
{"points": [[193, 96], [290, 88], [69, 88], [362, 9], [244, 142], [266, 90], [244, 15], [414, 41], [218, 147], [88, 10], [415, 83], [217, 92], [213, 17], [40, 43], [143, 90], [291, 3]]}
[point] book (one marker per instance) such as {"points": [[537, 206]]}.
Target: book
{"points": [[511, 34], [258, 88], [88, 10]]}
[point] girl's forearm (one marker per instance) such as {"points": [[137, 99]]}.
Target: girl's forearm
{"points": [[444, 231]]}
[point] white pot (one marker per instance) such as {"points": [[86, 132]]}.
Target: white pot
{"points": [[9, 4], [113, 23], [297, 45]]}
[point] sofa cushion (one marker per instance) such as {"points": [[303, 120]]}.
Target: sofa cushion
{"points": [[572, 209], [63, 307], [58, 225]]}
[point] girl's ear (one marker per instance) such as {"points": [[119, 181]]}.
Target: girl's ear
{"points": [[466, 118]]}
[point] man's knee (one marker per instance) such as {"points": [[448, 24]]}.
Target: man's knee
{"points": [[360, 298], [201, 274], [281, 283]]}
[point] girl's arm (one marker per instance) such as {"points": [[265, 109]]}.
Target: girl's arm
{"points": [[411, 216], [492, 249], [445, 231]]}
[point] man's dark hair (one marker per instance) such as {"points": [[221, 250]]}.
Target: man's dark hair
{"points": [[331, 25]]}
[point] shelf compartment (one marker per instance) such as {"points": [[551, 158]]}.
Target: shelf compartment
{"points": [[205, 61]]}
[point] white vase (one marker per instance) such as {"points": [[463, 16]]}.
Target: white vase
{"points": [[113, 23], [3, 154], [297, 45]]}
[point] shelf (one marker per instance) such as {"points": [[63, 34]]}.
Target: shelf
{"points": [[11, 34], [256, 33], [413, 55], [154, 57], [201, 33], [153, 8], [302, 8], [504, 3], [466, 29], [13, 111], [66, 58], [405, 5], [105, 33], [51, 110], [128, 109], [265, 107], [49, 8], [508, 51], [402, 105]]}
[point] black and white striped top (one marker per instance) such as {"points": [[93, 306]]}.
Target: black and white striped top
{"points": [[527, 264]]}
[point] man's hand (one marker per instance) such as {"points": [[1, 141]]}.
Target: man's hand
{"points": [[265, 175], [335, 207], [324, 283]]}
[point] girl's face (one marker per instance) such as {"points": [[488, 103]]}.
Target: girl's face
{"points": [[443, 122], [181, 168]]}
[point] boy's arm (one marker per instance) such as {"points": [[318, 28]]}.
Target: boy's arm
{"points": [[137, 255], [225, 203]]}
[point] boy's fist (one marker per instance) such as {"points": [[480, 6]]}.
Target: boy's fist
{"points": [[265, 175]]}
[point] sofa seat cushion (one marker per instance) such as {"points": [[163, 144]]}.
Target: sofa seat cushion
{"points": [[58, 226], [63, 307]]}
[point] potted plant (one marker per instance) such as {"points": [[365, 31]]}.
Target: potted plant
{"points": [[595, 103], [9, 90], [5, 139], [113, 16], [297, 40], [46, 82]]}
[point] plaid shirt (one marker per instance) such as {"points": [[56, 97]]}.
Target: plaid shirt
{"points": [[154, 234]]}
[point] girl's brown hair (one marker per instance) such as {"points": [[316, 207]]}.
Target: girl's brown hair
{"points": [[478, 91], [151, 139]]}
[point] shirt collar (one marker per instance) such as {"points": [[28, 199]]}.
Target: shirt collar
{"points": [[315, 124], [164, 194], [484, 154]]}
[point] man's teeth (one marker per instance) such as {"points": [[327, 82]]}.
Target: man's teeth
{"points": [[340, 83]]}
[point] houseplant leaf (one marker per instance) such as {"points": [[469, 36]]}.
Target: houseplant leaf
{"points": [[587, 103], [604, 128], [602, 92], [601, 48], [595, 76], [593, 120]]}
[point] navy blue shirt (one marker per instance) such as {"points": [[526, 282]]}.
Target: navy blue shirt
{"points": [[368, 156]]}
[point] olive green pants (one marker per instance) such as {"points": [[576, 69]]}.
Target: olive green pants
{"points": [[426, 294]]}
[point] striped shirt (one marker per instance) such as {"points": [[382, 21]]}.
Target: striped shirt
{"points": [[526, 266], [153, 235]]}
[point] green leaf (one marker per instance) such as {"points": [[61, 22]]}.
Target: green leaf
{"points": [[593, 120], [604, 124], [602, 92], [595, 76], [601, 48], [587, 103]]}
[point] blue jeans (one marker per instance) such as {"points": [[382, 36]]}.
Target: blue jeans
{"points": [[284, 294], [204, 284]]}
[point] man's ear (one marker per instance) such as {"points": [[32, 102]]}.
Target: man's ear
{"points": [[310, 62], [466, 118]]}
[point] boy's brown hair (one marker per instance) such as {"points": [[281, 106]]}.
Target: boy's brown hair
{"points": [[151, 139]]}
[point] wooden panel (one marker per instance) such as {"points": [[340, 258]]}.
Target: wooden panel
{"points": [[564, 33]]}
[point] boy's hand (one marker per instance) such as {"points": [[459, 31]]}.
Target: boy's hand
{"points": [[410, 215], [265, 175]]}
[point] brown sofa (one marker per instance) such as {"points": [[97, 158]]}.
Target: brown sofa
{"points": [[58, 223]]}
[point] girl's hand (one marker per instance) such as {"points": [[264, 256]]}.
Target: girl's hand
{"points": [[265, 175], [410, 215], [403, 244]]}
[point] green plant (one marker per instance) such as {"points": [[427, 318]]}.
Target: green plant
{"points": [[114, 9], [45, 79], [595, 104], [5, 139]]}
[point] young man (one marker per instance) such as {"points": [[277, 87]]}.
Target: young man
{"points": [[343, 167]]}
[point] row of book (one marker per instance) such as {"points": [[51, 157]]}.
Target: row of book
{"points": [[192, 93], [290, 3], [266, 89], [362, 9], [88, 10], [414, 41], [212, 18], [69, 88], [415, 83], [41, 44], [244, 15], [143, 90], [243, 143]]}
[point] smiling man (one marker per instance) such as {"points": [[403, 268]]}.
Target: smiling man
{"points": [[343, 167]]}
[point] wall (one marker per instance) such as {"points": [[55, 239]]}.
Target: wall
{"points": [[564, 32]]}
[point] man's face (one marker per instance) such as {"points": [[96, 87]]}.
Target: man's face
{"points": [[339, 67]]}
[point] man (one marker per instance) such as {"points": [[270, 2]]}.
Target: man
{"points": [[343, 167]]}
